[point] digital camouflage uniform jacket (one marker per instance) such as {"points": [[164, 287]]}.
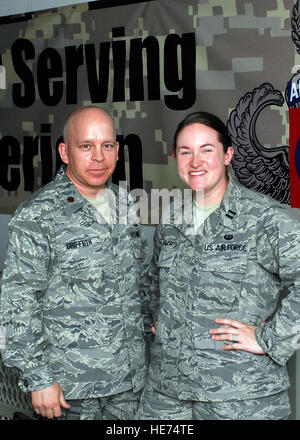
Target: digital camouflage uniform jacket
{"points": [[71, 295], [236, 267]]}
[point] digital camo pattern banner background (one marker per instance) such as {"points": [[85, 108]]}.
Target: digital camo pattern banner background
{"points": [[148, 64]]}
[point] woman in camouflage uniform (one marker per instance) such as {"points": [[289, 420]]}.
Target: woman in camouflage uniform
{"points": [[230, 271]]}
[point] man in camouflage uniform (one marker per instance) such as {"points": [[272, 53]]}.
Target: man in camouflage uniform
{"points": [[71, 289], [231, 271]]}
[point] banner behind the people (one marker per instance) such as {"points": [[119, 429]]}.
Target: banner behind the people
{"points": [[148, 64]]}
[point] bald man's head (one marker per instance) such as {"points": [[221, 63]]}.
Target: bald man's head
{"points": [[75, 115], [89, 150]]}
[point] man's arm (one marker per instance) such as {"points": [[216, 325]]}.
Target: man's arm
{"points": [[24, 282]]}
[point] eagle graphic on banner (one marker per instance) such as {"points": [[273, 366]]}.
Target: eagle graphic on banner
{"points": [[262, 169], [266, 170]]}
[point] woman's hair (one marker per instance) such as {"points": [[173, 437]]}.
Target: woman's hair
{"points": [[209, 120]]}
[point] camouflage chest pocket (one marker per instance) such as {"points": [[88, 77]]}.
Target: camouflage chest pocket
{"points": [[81, 267], [166, 258], [219, 279]]}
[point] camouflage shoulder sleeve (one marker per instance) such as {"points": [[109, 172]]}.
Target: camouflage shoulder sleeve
{"points": [[278, 251], [24, 282], [154, 275]]}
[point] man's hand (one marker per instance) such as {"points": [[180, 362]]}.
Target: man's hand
{"points": [[48, 402], [153, 329], [242, 336]]}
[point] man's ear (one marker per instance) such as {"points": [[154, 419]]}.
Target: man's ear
{"points": [[117, 147], [174, 155], [63, 152]]}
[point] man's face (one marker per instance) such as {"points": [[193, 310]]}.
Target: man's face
{"points": [[201, 161], [90, 151]]}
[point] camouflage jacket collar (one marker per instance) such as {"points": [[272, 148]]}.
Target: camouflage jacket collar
{"points": [[225, 215], [72, 200]]}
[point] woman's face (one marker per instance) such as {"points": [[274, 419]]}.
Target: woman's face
{"points": [[201, 161]]}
